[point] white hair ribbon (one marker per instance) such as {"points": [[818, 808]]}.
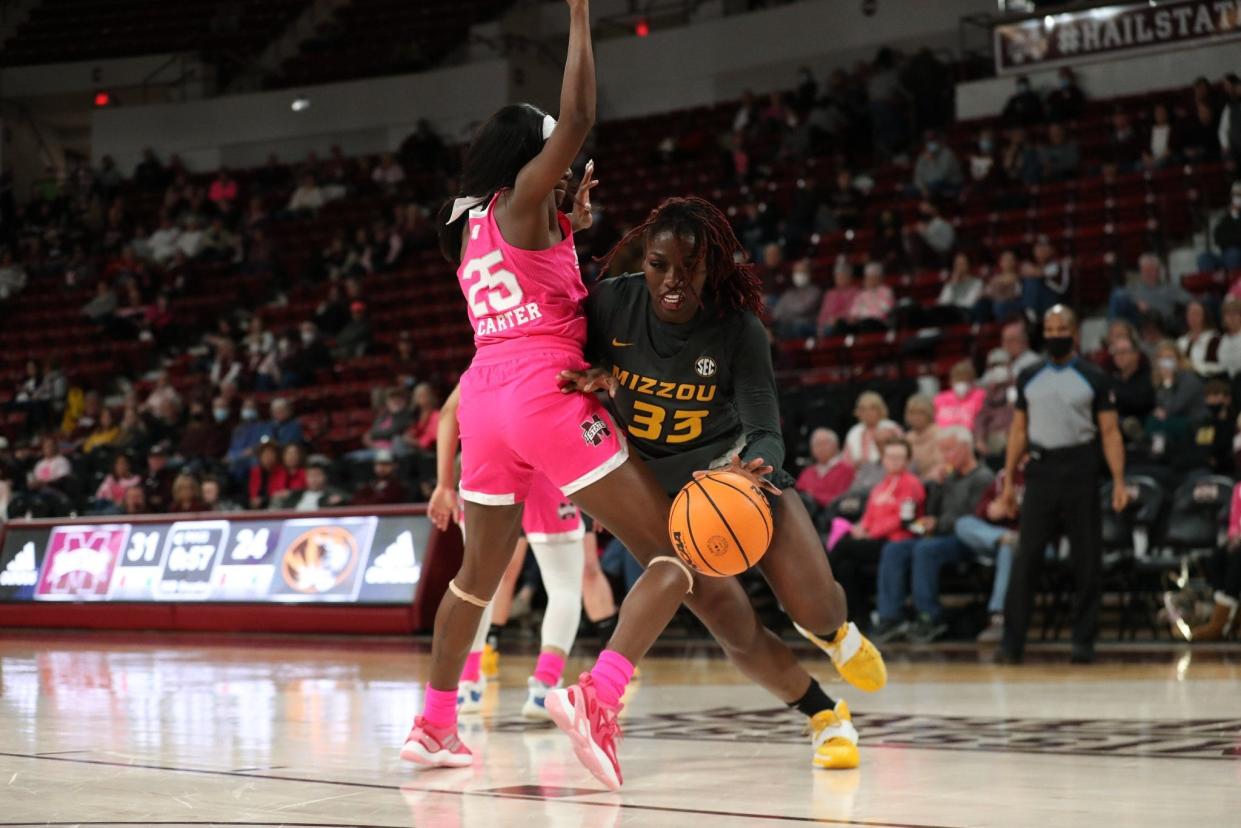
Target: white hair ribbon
{"points": [[462, 205], [549, 126]]}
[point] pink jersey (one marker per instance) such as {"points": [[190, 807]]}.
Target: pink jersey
{"points": [[521, 300]]}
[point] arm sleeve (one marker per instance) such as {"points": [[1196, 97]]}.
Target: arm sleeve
{"points": [[754, 384]]}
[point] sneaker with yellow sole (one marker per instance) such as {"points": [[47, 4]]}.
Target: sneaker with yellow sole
{"points": [[857, 660], [834, 739], [489, 664]]}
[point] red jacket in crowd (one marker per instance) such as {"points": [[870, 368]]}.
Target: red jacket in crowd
{"points": [[882, 519], [826, 483]]}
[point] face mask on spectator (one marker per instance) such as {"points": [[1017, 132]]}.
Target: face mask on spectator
{"points": [[932, 146], [800, 278], [986, 144], [249, 414], [1059, 347], [220, 414], [997, 375], [1167, 365], [960, 388]]}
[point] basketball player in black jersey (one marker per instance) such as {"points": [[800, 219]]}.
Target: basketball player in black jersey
{"points": [[687, 365]]}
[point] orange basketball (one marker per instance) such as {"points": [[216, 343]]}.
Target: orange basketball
{"points": [[720, 524]]}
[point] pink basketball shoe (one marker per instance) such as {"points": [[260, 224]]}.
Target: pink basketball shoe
{"points": [[592, 728]]}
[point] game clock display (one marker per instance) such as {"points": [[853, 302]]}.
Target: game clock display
{"points": [[368, 560]]}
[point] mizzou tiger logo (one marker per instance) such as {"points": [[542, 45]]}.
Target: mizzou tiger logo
{"points": [[320, 559]]}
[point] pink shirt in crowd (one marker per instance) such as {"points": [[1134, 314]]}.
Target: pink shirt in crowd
{"points": [[872, 304], [951, 410], [882, 518], [837, 303]]}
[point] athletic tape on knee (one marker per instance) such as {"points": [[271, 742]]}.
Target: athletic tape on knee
{"points": [[467, 597], [560, 564], [689, 576]]}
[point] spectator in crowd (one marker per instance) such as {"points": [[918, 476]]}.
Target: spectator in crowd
{"points": [[134, 436], [157, 485], [846, 202], [223, 192], [1180, 404], [293, 461], [930, 240], [1150, 296], [873, 303], [307, 198], [1045, 279], [887, 246], [1020, 158], [1001, 299], [318, 494], [1199, 140], [186, 494], [937, 173], [922, 436], [51, 467], [960, 403], [388, 174], [1067, 101], [204, 439], [830, 475], [838, 301], [426, 420], [1230, 120], [1215, 435], [794, 312], [226, 368], [1015, 339], [150, 175], [248, 434], [284, 427], [1131, 380], [212, 491], [354, 339], [135, 501], [314, 351], [12, 275], [861, 445], [983, 162], [1229, 353], [1162, 141], [105, 432], [1224, 573], [996, 415], [163, 242], [962, 289], [386, 488], [891, 509], [1059, 157], [103, 305], [1200, 342], [1227, 238], [388, 429], [164, 392], [118, 481], [992, 536], [918, 560], [1024, 108], [1126, 144], [267, 476]]}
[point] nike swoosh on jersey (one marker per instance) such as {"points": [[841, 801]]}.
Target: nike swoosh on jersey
{"points": [[616, 343]]}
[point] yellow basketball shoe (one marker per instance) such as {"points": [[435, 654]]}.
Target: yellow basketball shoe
{"points": [[857, 660], [834, 739], [489, 664]]}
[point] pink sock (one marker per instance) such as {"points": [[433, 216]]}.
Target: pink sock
{"points": [[472, 670], [440, 708], [549, 668], [611, 673]]}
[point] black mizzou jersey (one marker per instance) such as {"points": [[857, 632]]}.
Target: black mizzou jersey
{"points": [[689, 395]]}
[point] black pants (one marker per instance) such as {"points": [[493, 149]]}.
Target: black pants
{"points": [[1224, 569], [855, 564], [1061, 497]]}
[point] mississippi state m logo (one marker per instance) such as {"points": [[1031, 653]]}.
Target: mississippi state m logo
{"points": [[594, 430]]}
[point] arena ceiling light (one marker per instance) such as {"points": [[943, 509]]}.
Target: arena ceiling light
{"points": [[300, 104]]}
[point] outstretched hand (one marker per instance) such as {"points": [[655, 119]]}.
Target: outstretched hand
{"points": [[588, 381], [755, 471], [581, 217]]}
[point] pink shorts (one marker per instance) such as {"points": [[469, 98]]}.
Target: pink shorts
{"points": [[515, 421], [549, 516]]}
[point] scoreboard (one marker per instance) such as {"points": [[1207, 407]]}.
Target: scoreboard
{"points": [[365, 559]]}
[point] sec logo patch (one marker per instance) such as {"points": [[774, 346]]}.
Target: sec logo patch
{"points": [[705, 366]]}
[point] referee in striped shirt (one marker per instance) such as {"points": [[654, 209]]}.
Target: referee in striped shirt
{"points": [[1065, 409]]}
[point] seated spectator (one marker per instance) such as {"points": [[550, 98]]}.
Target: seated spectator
{"points": [[1045, 279], [212, 491], [983, 163], [1162, 139], [830, 475], [1024, 108], [157, 485], [960, 403], [203, 439], [293, 461], [388, 174], [930, 240], [314, 351], [52, 465], [317, 494], [922, 436], [163, 242], [426, 420], [1180, 404], [996, 415], [120, 480], [838, 301], [1227, 238], [891, 509], [223, 192], [919, 559], [1199, 138], [937, 171], [284, 427], [991, 534], [1200, 342], [794, 312], [1067, 101], [1015, 339], [248, 434], [307, 198], [333, 312], [962, 289], [1224, 575], [226, 367], [1215, 435], [1229, 354], [186, 494], [1230, 121], [12, 275], [354, 338], [846, 202], [1131, 381], [861, 444], [887, 246], [388, 429], [1151, 295], [1001, 298], [134, 436], [873, 303], [193, 238], [1019, 159], [386, 488], [135, 501], [106, 432], [267, 476], [104, 304], [1059, 157], [219, 243]]}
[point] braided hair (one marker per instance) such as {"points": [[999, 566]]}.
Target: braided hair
{"points": [[730, 278]]}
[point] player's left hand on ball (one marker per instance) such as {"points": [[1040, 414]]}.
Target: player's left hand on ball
{"points": [[588, 381], [581, 217], [755, 471]]}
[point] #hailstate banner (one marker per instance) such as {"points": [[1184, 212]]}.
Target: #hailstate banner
{"points": [[366, 559], [1076, 35]]}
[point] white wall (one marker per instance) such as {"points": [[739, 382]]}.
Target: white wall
{"points": [[87, 76], [361, 116], [1120, 76]]}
